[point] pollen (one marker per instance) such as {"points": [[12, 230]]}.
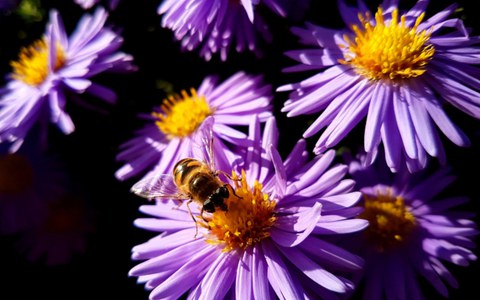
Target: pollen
{"points": [[247, 221], [32, 64], [391, 51], [16, 174], [391, 223], [182, 114]]}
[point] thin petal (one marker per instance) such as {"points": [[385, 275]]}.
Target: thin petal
{"points": [[280, 174], [314, 271], [294, 229], [261, 288], [223, 270], [245, 277], [286, 286]]}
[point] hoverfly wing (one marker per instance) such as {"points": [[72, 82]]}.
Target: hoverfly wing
{"points": [[157, 186], [203, 143]]}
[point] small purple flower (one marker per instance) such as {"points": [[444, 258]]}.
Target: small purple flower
{"points": [[173, 126], [216, 26], [413, 231], [62, 234], [396, 70], [87, 4], [54, 66], [271, 242]]}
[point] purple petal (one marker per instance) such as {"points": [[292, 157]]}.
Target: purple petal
{"points": [[168, 210], [327, 180], [375, 117], [223, 270], [171, 260], [404, 123], [247, 4], [314, 271], [261, 288], [290, 230], [162, 243], [431, 186], [448, 252], [280, 174], [244, 281], [331, 203], [199, 262], [347, 118], [422, 123], [78, 85], [340, 227], [440, 231], [343, 187], [443, 271], [331, 254], [160, 225], [321, 164], [102, 92], [439, 206], [391, 140], [297, 157], [286, 286], [52, 49], [425, 268]]}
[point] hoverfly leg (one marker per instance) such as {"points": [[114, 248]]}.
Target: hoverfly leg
{"points": [[227, 175], [179, 204], [204, 219], [235, 194], [193, 218]]}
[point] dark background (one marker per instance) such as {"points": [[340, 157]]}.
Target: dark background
{"points": [[89, 153]]}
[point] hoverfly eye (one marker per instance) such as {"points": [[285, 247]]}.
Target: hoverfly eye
{"points": [[208, 206], [223, 192]]}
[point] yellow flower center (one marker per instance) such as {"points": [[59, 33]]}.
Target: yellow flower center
{"points": [[16, 174], [182, 114], [248, 219], [390, 220], [32, 64], [388, 51]]}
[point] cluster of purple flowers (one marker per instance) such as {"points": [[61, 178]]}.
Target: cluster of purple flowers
{"points": [[315, 224]]}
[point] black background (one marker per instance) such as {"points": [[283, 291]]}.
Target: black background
{"points": [[89, 153]]}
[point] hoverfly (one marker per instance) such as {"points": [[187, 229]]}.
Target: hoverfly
{"points": [[192, 179]]}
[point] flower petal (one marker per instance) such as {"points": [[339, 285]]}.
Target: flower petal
{"points": [[291, 230], [340, 227], [280, 174], [222, 270], [331, 254], [314, 271], [261, 288], [189, 274], [285, 286], [244, 280]]}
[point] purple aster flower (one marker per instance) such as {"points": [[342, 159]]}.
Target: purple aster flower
{"points": [[413, 230], [173, 125], [270, 242], [54, 66], [29, 179], [396, 69], [216, 26], [87, 4]]}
